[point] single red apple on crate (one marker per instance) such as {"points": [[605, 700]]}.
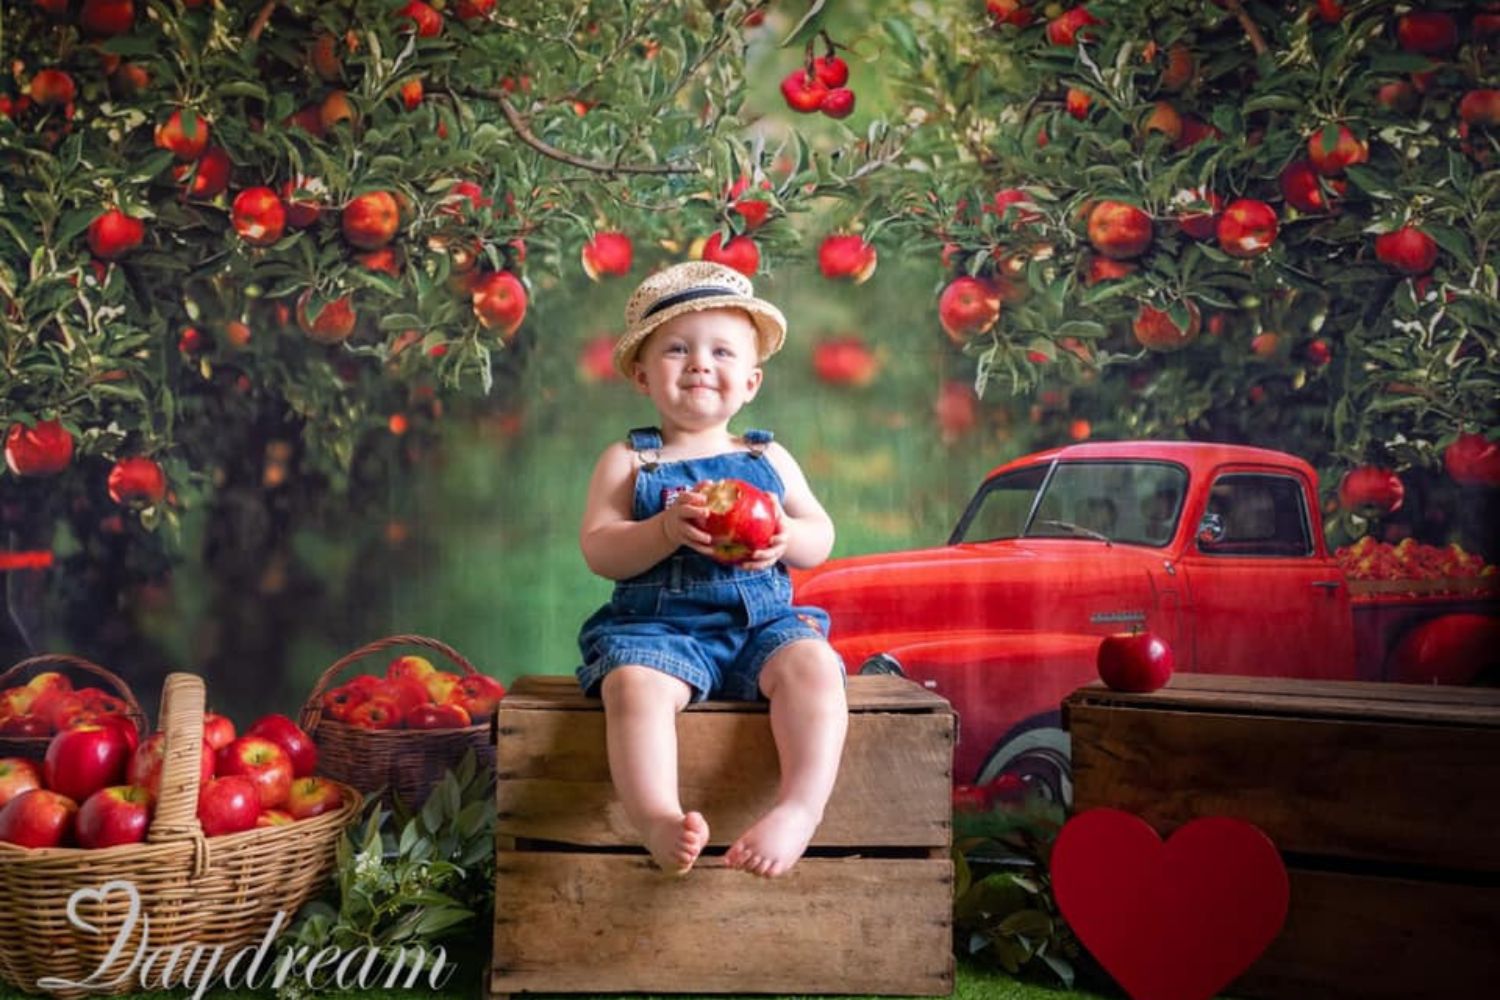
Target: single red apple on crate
{"points": [[84, 759], [446, 716], [263, 762], [38, 818], [378, 712], [115, 815], [741, 519], [228, 805], [290, 737], [1135, 661], [480, 693], [17, 775], [313, 797], [218, 730], [144, 768]]}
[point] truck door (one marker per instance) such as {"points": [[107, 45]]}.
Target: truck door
{"points": [[1261, 601]]}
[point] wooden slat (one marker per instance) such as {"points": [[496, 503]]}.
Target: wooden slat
{"points": [[892, 789], [1351, 937], [568, 922], [1467, 706], [879, 693], [1342, 788]]}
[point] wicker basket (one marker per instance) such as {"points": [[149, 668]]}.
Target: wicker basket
{"points": [[402, 764], [193, 890], [35, 747]]}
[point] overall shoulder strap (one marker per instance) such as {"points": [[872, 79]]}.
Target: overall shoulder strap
{"points": [[757, 440], [645, 439]]}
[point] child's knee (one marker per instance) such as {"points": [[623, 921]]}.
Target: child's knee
{"points": [[807, 668], [629, 686]]}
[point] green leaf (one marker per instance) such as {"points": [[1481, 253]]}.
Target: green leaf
{"points": [[906, 40], [807, 28]]}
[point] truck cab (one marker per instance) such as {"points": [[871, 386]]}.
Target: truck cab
{"points": [[1216, 548]]}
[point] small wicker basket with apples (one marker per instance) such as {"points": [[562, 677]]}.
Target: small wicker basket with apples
{"points": [[398, 732], [47, 701]]}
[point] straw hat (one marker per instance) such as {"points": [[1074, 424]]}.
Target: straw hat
{"points": [[690, 287]]}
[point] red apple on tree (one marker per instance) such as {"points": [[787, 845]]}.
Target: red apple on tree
{"points": [[1329, 157], [258, 216], [285, 733], [17, 775], [301, 196], [751, 208], [333, 323], [1473, 460], [968, 306], [803, 91], [1302, 187], [425, 20], [207, 177], [1014, 12], [1064, 29], [845, 360], [846, 256], [499, 300], [1480, 107], [596, 359], [831, 70], [838, 103], [311, 797], [43, 449], [114, 234], [1135, 661], [84, 759], [1247, 228], [52, 86], [740, 253], [1119, 230], [1199, 212], [741, 519], [38, 818], [263, 762], [115, 815], [608, 254], [136, 481], [1157, 330], [228, 805], [1371, 490], [370, 220], [1429, 32], [1408, 250]]}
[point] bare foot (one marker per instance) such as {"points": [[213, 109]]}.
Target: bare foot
{"points": [[676, 841], [775, 842]]}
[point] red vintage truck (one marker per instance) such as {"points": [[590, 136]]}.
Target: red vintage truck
{"points": [[1219, 549]]}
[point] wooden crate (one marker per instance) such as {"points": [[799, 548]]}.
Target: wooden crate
{"points": [[1381, 797], [579, 907]]}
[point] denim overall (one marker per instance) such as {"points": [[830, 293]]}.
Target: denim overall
{"points": [[710, 625]]}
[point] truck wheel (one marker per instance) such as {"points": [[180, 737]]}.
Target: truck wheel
{"points": [[1039, 753]]}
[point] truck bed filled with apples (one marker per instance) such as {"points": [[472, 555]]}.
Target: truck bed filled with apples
{"points": [[1379, 569]]}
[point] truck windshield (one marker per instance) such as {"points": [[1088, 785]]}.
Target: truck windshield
{"points": [[1137, 503]]}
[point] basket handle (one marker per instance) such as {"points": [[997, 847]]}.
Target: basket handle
{"points": [[87, 666], [176, 816], [312, 709]]}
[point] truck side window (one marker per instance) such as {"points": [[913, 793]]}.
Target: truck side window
{"points": [[1253, 514], [1000, 507]]}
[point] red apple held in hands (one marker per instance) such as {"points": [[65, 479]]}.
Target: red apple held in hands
{"points": [[741, 519], [218, 730], [136, 481], [740, 253], [115, 815], [845, 360], [1371, 490], [228, 805], [447, 716], [145, 764], [1158, 331], [84, 759], [263, 762], [968, 306], [313, 797], [1347, 150], [846, 257], [38, 818], [1247, 228], [1408, 250], [499, 301], [803, 91], [608, 254], [370, 220], [1119, 230], [17, 775], [285, 733], [114, 234], [43, 449], [1473, 460], [478, 695], [1135, 661], [258, 216]]}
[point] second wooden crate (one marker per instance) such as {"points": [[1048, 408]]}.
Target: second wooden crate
{"points": [[579, 907]]}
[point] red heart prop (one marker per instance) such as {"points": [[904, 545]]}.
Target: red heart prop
{"points": [[1173, 921]]}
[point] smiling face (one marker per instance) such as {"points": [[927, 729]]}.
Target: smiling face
{"points": [[700, 368]]}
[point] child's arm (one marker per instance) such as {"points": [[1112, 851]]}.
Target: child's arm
{"points": [[806, 535], [618, 547]]}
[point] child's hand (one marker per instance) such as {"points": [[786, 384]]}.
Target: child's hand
{"points": [[682, 522], [776, 548]]}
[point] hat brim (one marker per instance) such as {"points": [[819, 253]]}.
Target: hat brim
{"points": [[770, 327]]}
